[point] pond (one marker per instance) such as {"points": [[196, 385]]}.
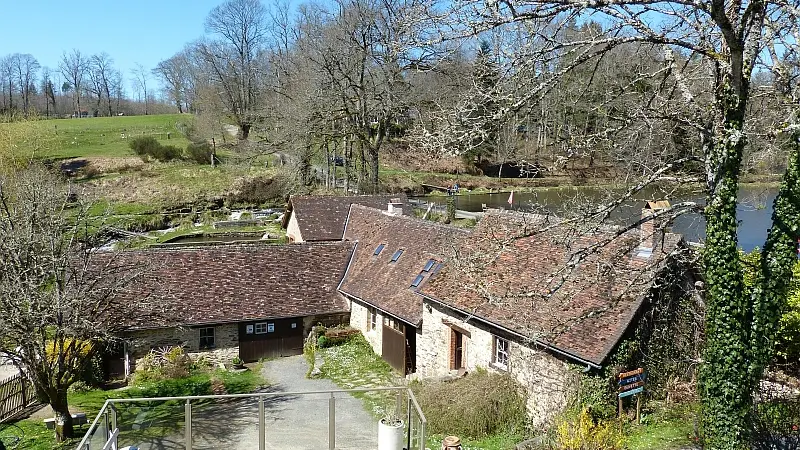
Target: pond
{"points": [[754, 211]]}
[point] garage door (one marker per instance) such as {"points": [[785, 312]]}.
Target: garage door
{"points": [[270, 348]]}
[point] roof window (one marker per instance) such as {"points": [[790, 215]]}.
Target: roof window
{"points": [[396, 255], [429, 265], [379, 249], [417, 280]]}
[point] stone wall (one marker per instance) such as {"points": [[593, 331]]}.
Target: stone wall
{"points": [[226, 342], [359, 319], [548, 380]]}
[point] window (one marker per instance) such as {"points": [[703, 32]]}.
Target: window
{"points": [[396, 255], [372, 318], [207, 337], [417, 280], [379, 249], [261, 328], [500, 357], [429, 265]]}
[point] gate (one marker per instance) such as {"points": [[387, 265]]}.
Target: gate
{"points": [[250, 351], [16, 395], [393, 348]]}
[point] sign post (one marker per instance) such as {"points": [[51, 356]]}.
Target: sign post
{"points": [[631, 383]]}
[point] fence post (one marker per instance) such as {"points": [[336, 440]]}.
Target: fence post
{"points": [[188, 422], [262, 442], [332, 423]]}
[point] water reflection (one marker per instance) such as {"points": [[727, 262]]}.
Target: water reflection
{"points": [[754, 211]]}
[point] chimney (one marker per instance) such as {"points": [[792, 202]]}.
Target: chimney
{"points": [[652, 229], [395, 207]]}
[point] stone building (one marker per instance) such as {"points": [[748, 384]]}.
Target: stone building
{"points": [[251, 301], [322, 218], [394, 255], [531, 298]]}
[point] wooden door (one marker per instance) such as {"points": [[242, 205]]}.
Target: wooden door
{"points": [[393, 347]]}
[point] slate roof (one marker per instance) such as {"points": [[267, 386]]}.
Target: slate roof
{"points": [[520, 264], [385, 284], [322, 218], [232, 283]]}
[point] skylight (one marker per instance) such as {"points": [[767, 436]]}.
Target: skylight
{"points": [[429, 265], [396, 255], [417, 280], [379, 249]]}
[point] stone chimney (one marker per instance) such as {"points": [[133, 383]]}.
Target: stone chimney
{"points": [[395, 207], [652, 229]]}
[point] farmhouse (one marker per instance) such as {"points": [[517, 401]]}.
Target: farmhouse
{"points": [[322, 218], [521, 293], [529, 298], [393, 257], [251, 301]]}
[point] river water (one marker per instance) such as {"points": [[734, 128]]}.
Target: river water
{"points": [[754, 212]]}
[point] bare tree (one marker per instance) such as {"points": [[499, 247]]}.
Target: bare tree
{"points": [[175, 74], [48, 91], [101, 71], [238, 31], [73, 66], [141, 76], [26, 68], [56, 293], [7, 78]]}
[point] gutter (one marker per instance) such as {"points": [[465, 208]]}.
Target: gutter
{"points": [[588, 364]]}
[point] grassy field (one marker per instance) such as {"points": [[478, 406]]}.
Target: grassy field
{"points": [[105, 136]]}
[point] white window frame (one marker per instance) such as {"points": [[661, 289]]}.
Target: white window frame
{"points": [[213, 337], [372, 318], [261, 328], [501, 352]]}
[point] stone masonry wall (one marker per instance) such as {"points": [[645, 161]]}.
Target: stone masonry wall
{"points": [[226, 340], [547, 379], [359, 320]]}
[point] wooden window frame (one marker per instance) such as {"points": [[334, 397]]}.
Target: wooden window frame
{"points": [[262, 325], [205, 339], [372, 318]]}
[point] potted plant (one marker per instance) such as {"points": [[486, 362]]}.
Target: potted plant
{"points": [[237, 363], [390, 432]]}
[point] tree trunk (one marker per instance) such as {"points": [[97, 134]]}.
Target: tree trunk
{"points": [[725, 387], [374, 167], [58, 401]]}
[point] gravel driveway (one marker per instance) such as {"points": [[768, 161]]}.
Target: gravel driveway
{"points": [[293, 422]]}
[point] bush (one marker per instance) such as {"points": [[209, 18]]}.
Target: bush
{"points": [[199, 152], [582, 433], [163, 364], [148, 148], [263, 190], [476, 406]]}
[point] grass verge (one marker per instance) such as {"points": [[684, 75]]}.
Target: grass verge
{"points": [[153, 421]]}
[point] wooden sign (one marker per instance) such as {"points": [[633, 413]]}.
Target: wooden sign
{"points": [[638, 371], [631, 392]]}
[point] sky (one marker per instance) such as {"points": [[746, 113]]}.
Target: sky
{"points": [[131, 31]]}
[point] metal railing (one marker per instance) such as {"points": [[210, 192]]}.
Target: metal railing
{"points": [[109, 431]]}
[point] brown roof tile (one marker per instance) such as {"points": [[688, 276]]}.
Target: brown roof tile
{"points": [[385, 284], [514, 271], [230, 283], [322, 218]]}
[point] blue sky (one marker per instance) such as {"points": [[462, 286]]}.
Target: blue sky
{"points": [[131, 31]]}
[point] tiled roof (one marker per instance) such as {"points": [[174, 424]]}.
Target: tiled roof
{"points": [[322, 218], [515, 272], [385, 284], [230, 283]]}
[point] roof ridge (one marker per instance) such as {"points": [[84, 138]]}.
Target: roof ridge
{"points": [[413, 219], [238, 245]]}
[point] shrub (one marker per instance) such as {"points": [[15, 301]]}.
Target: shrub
{"points": [[148, 148], [581, 432], [476, 406], [199, 152], [263, 190], [163, 364]]}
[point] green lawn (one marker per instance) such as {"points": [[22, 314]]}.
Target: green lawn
{"points": [[162, 419], [103, 136]]}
